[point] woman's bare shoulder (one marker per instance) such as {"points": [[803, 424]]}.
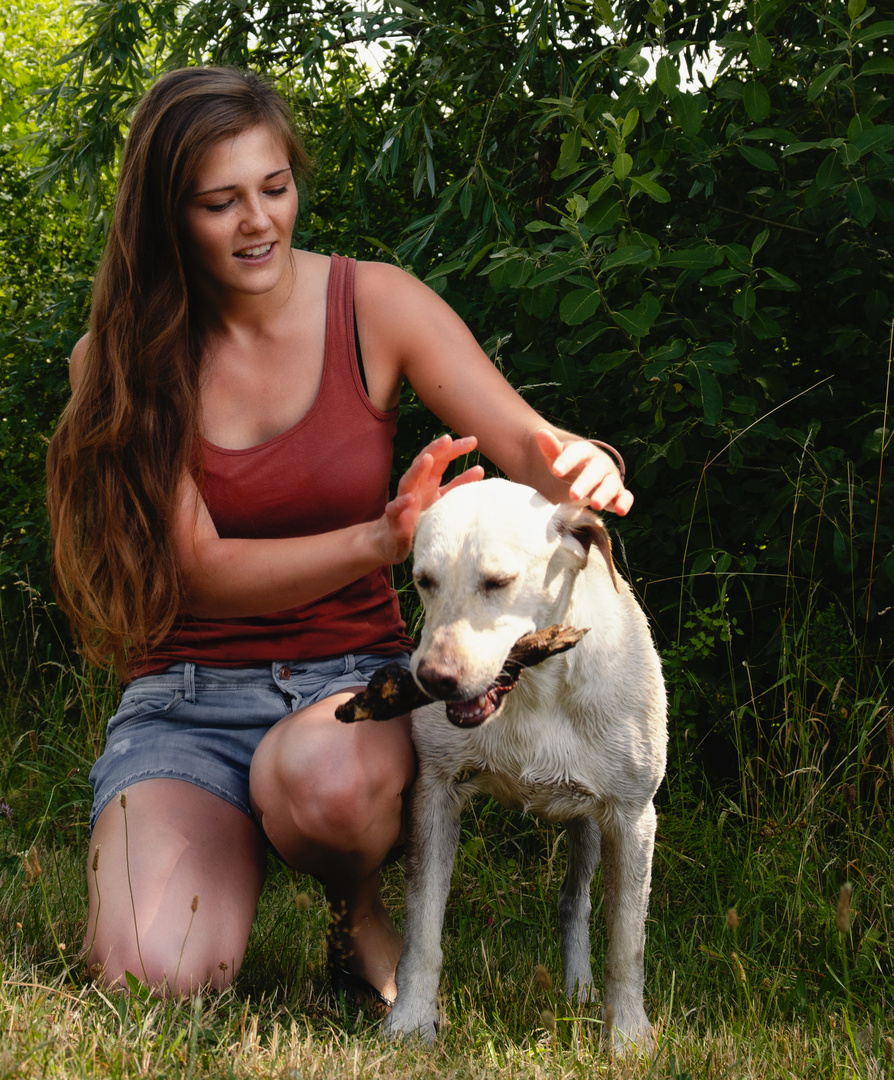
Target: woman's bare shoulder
{"points": [[76, 364], [379, 277]]}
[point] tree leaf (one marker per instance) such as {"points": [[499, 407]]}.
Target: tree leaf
{"points": [[756, 100], [875, 138], [626, 256], [566, 373], [579, 306], [622, 165], [822, 81], [760, 159], [570, 152], [779, 281], [744, 303], [861, 202], [702, 257], [874, 31], [878, 65], [465, 201], [708, 387], [760, 52], [648, 186], [667, 76], [637, 321], [602, 217], [688, 110]]}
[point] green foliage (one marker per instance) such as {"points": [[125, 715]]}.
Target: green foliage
{"points": [[668, 229], [48, 248]]}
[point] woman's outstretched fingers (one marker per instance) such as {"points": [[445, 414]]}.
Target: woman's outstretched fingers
{"points": [[593, 476]]}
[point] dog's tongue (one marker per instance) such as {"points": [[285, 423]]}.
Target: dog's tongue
{"points": [[476, 710]]}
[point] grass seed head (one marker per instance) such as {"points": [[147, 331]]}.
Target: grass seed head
{"points": [[33, 869], [542, 977], [122, 798], [843, 911], [302, 901], [732, 919], [194, 906], [95, 863], [740, 970], [548, 1019]]}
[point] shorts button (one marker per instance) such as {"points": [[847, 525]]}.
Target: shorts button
{"points": [[284, 673]]}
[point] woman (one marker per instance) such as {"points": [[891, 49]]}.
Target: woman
{"points": [[223, 534]]}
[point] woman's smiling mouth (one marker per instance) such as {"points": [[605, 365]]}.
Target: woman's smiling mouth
{"points": [[254, 252]]}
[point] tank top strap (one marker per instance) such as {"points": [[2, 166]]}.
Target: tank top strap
{"points": [[341, 367], [341, 357]]}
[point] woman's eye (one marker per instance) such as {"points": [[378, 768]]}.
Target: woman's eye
{"points": [[216, 208], [277, 191]]}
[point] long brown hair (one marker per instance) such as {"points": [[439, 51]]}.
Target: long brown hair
{"points": [[129, 431]]}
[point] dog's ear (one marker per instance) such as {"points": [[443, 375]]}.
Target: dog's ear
{"points": [[584, 527]]}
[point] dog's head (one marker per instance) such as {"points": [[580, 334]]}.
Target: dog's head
{"points": [[493, 561]]}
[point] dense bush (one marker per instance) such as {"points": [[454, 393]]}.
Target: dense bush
{"points": [[694, 266]]}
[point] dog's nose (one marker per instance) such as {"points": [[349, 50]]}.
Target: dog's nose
{"points": [[439, 678]]}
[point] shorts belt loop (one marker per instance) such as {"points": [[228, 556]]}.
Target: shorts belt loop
{"points": [[189, 682], [350, 663]]}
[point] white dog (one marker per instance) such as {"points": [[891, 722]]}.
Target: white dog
{"points": [[581, 739]]}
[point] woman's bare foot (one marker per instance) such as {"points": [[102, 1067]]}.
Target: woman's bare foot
{"points": [[365, 944]]}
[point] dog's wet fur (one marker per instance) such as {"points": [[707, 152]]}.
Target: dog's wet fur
{"points": [[581, 739]]}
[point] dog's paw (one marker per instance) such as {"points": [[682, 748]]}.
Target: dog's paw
{"points": [[631, 1033], [409, 1023], [581, 989]]}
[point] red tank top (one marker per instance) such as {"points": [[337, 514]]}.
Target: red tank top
{"points": [[330, 470]]}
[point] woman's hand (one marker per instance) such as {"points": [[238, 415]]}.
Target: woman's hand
{"points": [[419, 487], [593, 475]]}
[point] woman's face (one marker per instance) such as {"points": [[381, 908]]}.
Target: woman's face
{"points": [[237, 219]]}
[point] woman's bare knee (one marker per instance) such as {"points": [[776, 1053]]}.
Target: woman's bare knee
{"points": [[317, 784], [173, 887]]}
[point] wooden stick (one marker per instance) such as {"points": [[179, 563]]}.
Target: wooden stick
{"points": [[392, 690]]}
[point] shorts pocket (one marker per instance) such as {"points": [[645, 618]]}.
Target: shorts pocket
{"points": [[138, 702]]}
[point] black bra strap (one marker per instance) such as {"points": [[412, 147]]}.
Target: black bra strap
{"points": [[359, 355]]}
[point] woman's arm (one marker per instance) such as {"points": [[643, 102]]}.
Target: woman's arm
{"points": [[407, 331], [232, 578]]}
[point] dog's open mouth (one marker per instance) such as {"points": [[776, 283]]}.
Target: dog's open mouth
{"points": [[392, 690], [476, 710]]}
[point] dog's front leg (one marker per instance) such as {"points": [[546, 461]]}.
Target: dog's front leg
{"points": [[628, 843], [575, 906], [434, 835]]}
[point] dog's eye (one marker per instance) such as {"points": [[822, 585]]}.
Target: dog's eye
{"points": [[494, 584], [424, 582]]}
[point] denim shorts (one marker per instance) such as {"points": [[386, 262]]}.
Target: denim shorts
{"points": [[203, 724]]}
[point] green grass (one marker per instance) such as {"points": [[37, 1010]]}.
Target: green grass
{"points": [[777, 991]]}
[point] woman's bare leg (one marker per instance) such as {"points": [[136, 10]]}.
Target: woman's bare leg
{"points": [[330, 797], [174, 877]]}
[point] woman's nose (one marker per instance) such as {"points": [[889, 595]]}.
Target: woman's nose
{"points": [[255, 217]]}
